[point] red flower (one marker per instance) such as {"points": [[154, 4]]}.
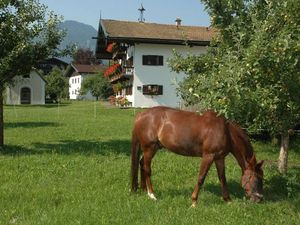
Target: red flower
{"points": [[110, 47], [113, 70]]}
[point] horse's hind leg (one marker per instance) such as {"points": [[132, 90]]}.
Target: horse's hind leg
{"points": [[148, 155], [143, 178], [207, 160], [221, 173]]}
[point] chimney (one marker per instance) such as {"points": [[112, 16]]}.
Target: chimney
{"points": [[178, 21]]}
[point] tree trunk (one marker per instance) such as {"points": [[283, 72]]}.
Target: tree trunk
{"points": [[1, 120], [283, 155]]}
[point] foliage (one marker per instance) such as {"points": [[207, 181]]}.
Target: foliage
{"points": [[98, 85], [122, 101], [75, 170], [251, 70], [117, 87], [57, 87], [84, 56], [28, 33], [112, 99]]}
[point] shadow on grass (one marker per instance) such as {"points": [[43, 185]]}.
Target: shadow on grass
{"points": [[48, 105], [283, 187], [55, 105], [30, 124], [277, 189], [235, 190], [68, 147]]}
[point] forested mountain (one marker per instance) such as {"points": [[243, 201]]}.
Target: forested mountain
{"points": [[80, 34]]}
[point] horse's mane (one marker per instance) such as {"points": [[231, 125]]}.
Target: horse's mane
{"points": [[240, 141]]}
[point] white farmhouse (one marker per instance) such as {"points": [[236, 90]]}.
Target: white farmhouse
{"points": [[77, 73], [27, 89], [142, 50]]}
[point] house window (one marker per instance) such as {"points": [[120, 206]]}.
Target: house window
{"points": [[153, 60], [152, 89], [128, 91]]}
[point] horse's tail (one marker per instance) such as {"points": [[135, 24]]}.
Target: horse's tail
{"points": [[135, 156]]}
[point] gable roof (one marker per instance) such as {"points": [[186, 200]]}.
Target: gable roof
{"points": [[127, 32], [115, 30], [81, 68], [47, 65]]}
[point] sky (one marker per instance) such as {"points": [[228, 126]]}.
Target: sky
{"points": [[191, 12]]}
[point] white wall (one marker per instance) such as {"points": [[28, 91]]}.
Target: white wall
{"points": [[36, 85], [75, 85], [160, 75]]}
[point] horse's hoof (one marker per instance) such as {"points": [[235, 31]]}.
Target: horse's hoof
{"points": [[227, 199], [194, 204], [152, 196]]}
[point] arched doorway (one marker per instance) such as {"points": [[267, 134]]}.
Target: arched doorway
{"points": [[25, 95]]}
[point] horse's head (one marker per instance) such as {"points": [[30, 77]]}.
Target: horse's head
{"points": [[252, 180]]}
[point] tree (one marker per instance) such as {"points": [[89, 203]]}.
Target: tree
{"points": [[251, 71], [98, 85], [84, 56], [28, 33], [57, 86]]}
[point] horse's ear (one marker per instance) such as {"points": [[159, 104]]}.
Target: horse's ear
{"points": [[259, 165], [252, 161]]}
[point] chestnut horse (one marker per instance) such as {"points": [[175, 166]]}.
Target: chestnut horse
{"points": [[185, 133]]}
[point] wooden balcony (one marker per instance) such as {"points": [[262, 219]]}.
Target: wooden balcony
{"points": [[127, 73]]}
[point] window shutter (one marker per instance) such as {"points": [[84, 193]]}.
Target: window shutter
{"points": [[160, 90], [161, 60]]}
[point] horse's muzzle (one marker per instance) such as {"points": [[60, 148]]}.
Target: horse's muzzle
{"points": [[256, 197]]}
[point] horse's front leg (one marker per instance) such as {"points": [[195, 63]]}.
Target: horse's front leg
{"points": [[148, 155], [207, 160], [221, 173]]}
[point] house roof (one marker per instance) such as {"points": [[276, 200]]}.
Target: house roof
{"points": [[128, 32], [81, 68], [54, 60], [47, 65], [115, 29]]}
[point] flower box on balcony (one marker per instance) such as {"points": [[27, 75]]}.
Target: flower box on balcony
{"points": [[111, 47], [113, 70]]}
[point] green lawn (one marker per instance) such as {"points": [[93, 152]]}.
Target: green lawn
{"points": [[70, 164]]}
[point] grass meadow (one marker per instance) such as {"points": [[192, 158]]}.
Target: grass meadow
{"points": [[70, 164]]}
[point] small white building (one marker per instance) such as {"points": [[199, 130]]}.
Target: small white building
{"points": [[27, 89], [142, 50], [77, 73]]}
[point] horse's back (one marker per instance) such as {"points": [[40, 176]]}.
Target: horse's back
{"points": [[183, 132]]}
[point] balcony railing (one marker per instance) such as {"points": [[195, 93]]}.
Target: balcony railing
{"points": [[127, 72]]}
